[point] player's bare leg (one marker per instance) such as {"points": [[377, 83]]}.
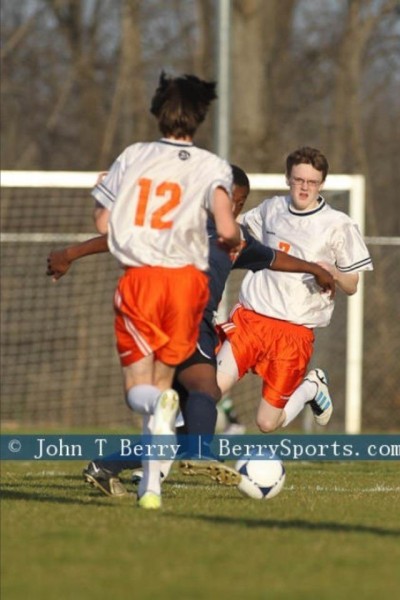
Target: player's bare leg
{"points": [[227, 370], [269, 417]]}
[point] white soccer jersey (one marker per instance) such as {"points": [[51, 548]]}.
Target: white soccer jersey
{"points": [[320, 235], [159, 195]]}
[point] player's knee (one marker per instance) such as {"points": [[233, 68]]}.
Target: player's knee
{"points": [[203, 386], [266, 424], [211, 390]]}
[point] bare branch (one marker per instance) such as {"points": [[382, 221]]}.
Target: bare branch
{"points": [[19, 35]]}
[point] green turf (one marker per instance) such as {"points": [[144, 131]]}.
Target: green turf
{"points": [[332, 533]]}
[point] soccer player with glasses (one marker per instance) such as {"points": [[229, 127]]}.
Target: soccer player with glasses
{"points": [[270, 331]]}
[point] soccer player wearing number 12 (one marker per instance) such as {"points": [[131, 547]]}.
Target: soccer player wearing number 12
{"points": [[154, 204]]}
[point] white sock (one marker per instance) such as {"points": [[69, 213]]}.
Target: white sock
{"points": [[150, 481], [142, 398], [304, 393]]}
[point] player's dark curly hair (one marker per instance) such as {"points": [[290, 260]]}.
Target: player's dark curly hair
{"points": [[309, 156], [240, 177], [181, 104]]}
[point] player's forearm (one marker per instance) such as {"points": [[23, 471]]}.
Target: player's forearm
{"points": [[101, 216], [323, 277], [60, 261], [227, 229], [230, 236], [287, 262], [93, 246], [347, 282]]}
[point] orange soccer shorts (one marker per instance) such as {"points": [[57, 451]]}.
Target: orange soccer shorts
{"points": [[278, 351], [158, 310]]}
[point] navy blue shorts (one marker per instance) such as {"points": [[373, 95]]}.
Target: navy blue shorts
{"points": [[205, 350]]}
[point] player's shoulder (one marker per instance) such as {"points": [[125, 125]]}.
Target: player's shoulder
{"points": [[335, 216], [337, 225], [278, 204], [210, 166], [211, 157], [136, 148], [267, 209]]}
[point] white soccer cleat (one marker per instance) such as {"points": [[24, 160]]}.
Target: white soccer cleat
{"points": [[321, 404], [165, 413]]}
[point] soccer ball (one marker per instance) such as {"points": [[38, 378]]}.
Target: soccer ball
{"points": [[262, 479]]}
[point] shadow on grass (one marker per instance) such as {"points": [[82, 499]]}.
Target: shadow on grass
{"points": [[293, 524], [41, 496]]}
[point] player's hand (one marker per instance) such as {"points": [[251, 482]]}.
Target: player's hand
{"points": [[233, 252], [326, 281], [330, 268], [57, 264]]}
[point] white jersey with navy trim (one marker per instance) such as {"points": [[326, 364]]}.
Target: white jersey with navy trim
{"points": [[159, 194], [320, 235]]}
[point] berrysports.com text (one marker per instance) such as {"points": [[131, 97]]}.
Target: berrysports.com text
{"points": [[287, 449]]}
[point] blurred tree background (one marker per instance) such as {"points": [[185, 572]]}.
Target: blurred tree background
{"points": [[77, 78], [78, 75]]}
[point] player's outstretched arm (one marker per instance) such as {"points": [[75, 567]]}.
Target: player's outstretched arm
{"points": [[59, 261], [255, 256], [286, 262]]}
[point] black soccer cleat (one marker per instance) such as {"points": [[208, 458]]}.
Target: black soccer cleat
{"points": [[104, 480]]}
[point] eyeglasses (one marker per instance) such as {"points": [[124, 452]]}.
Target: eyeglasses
{"points": [[299, 181]]}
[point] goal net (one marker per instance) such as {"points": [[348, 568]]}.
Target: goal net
{"points": [[59, 364]]}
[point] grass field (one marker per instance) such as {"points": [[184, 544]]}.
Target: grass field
{"points": [[332, 533]]}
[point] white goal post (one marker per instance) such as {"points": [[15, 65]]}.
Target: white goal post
{"points": [[353, 184]]}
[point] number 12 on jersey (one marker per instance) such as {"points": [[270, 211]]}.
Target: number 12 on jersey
{"points": [[170, 192]]}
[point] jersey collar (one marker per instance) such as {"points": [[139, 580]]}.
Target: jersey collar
{"points": [[307, 213], [171, 142]]}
